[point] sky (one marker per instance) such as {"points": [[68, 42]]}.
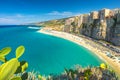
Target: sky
{"points": [[29, 11]]}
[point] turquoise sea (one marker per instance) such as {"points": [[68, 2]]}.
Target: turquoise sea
{"points": [[44, 53]]}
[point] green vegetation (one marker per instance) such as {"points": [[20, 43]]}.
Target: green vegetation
{"points": [[54, 24], [14, 69], [102, 72], [90, 73], [13, 66]]}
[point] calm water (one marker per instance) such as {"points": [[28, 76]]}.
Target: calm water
{"points": [[44, 53]]}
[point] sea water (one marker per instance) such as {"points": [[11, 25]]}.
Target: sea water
{"points": [[44, 53]]}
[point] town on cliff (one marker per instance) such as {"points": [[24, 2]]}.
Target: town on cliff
{"points": [[101, 25]]}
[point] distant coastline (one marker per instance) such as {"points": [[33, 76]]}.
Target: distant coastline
{"points": [[99, 50]]}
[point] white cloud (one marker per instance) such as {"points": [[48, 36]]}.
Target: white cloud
{"points": [[65, 13], [60, 13], [15, 18], [19, 15], [7, 21], [23, 18]]}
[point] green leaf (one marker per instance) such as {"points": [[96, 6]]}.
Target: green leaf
{"points": [[8, 69], [19, 51], [2, 58], [23, 66], [16, 78], [1, 66], [5, 51]]}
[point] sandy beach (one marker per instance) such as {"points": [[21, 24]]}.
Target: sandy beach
{"points": [[89, 44]]}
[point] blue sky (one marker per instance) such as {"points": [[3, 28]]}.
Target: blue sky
{"points": [[27, 11]]}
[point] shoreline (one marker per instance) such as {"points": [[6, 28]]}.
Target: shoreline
{"points": [[96, 49]]}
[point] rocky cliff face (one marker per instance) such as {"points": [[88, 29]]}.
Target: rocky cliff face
{"points": [[105, 27], [102, 25], [116, 32]]}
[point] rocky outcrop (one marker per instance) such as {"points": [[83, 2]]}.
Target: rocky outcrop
{"points": [[118, 18], [113, 30], [110, 29], [116, 37], [96, 29], [100, 25]]}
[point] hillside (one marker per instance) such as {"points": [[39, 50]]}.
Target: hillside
{"points": [[57, 24], [100, 25]]}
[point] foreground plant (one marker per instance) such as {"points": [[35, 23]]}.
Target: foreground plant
{"points": [[14, 69], [13, 66], [90, 73]]}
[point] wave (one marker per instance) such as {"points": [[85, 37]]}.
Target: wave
{"points": [[34, 27]]}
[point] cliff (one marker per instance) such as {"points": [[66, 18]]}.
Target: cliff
{"points": [[101, 25]]}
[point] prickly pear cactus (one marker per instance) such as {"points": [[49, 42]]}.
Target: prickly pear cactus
{"points": [[2, 58], [19, 51], [10, 67], [23, 66], [3, 53], [16, 78]]}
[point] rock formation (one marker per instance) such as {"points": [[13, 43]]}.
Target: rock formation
{"points": [[101, 25]]}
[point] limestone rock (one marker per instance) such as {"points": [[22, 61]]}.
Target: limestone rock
{"points": [[116, 37], [118, 18]]}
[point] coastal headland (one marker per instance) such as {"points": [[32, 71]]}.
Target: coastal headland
{"points": [[98, 31], [102, 25]]}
